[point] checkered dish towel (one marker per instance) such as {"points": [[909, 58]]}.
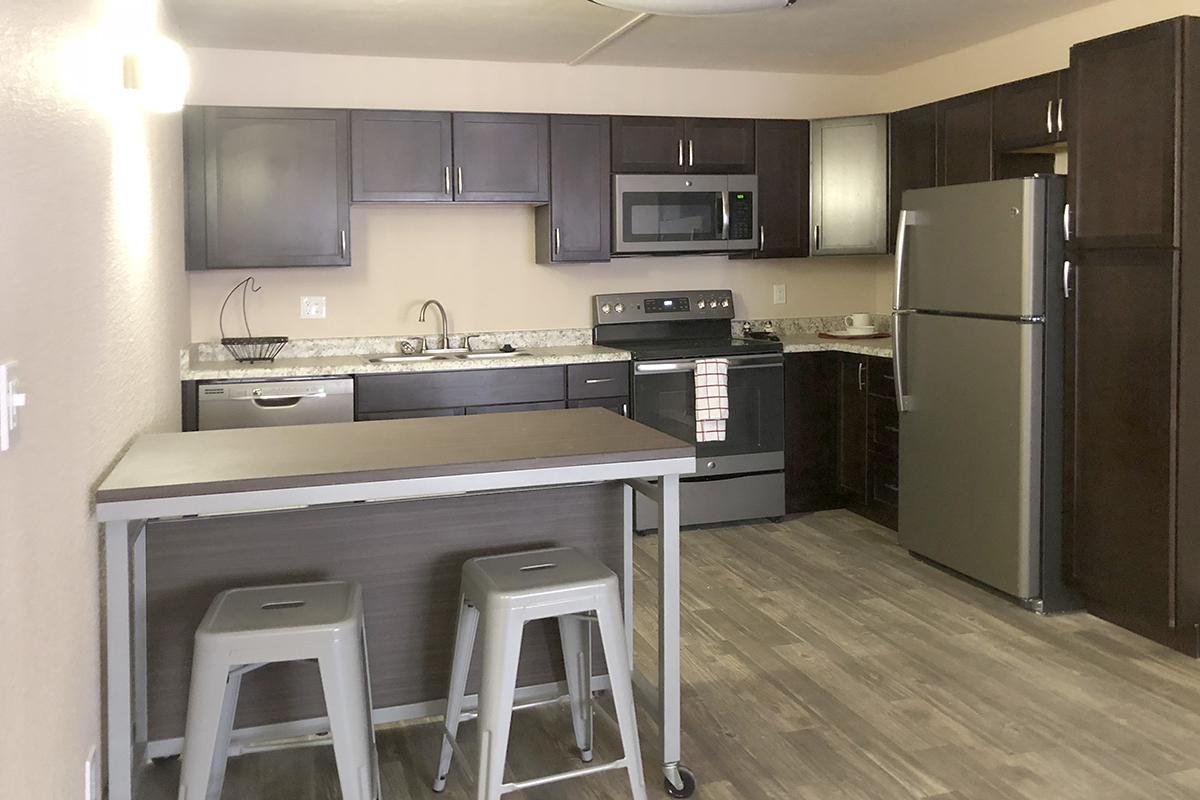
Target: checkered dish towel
{"points": [[712, 399]]}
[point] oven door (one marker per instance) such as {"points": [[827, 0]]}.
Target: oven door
{"points": [[664, 397], [670, 213]]}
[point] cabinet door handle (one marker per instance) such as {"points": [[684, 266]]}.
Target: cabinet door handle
{"points": [[1049, 116], [1060, 115], [447, 179], [681, 152], [891, 487], [691, 155], [817, 237], [862, 381], [624, 409], [1066, 280], [1067, 222], [891, 429], [762, 238], [342, 237], [598, 380], [557, 240], [460, 182]]}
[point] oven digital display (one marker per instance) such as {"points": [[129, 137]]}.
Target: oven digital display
{"points": [[666, 304]]}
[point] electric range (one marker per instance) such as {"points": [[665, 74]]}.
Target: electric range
{"points": [[667, 332]]}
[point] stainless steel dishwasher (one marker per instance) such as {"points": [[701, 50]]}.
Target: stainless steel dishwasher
{"points": [[300, 401]]}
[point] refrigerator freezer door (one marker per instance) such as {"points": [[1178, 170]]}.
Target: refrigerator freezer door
{"points": [[970, 448], [976, 249]]}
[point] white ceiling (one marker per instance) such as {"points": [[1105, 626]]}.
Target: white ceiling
{"points": [[814, 36]]}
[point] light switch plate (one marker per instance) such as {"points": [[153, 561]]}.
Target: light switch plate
{"points": [[11, 401], [312, 307], [779, 292]]}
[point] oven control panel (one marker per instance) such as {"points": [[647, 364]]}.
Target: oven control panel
{"points": [[611, 309]]}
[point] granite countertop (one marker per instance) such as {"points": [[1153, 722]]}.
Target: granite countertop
{"points": [[355, 364], [811, 342]]}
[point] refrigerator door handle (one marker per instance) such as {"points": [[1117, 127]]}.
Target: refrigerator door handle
{"points": [[901, 232], [898, 359], [1066, 280]]}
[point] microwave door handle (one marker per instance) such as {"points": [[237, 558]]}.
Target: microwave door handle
{"points": [[724, 215]]}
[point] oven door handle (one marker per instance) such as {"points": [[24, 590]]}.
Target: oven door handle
{"points": [[737, 362]]}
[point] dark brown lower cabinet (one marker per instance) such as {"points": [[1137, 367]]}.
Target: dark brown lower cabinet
{"points": [[1133, 433], [842, 435]]}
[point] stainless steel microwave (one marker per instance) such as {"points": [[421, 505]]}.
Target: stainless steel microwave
{"points": [[659, 214]]}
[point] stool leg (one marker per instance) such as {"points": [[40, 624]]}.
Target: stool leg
{"points": [[344, 680], [206, 718], [502, 634], [575, 633], [233, 687], [612, 634], [464, 645]]}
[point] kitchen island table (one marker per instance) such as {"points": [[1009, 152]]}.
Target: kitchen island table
{"points": [[397, 505]]}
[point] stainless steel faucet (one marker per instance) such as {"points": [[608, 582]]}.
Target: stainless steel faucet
{"points": [[445, 329]]}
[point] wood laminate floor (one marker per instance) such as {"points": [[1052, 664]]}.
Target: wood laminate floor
{"points": [[821, 661]]}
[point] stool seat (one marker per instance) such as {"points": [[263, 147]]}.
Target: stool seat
{"points": [[504, 592], [328, 605], [524, 576], [247, 628]]}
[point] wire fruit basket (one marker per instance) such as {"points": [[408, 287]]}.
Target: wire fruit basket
{"points": [[249, 348]]}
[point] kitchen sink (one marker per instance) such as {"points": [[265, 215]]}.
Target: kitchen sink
{"points": [[495, 354], [445, 355], [404, 359]]}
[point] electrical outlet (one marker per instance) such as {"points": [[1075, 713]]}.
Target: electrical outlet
{"points": [[11, 400], [779, 291], [312, 307], [91, 775]]}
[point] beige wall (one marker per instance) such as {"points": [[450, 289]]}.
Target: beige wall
{"points": [[93, 306], [479, 260]]}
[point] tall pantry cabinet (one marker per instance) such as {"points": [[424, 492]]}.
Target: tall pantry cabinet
{"points": [[1133, 342]]}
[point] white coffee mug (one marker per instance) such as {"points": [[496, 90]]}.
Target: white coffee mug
{"points": [[858, 321]]}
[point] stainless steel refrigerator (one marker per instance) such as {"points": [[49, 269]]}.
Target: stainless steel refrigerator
{"points": [[978, 363]]}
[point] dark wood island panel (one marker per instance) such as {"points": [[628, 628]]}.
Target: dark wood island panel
{"points": [[407, 555]]}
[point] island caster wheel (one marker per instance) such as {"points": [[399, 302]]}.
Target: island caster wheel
{"points": [[689, 784], [158, 761]]}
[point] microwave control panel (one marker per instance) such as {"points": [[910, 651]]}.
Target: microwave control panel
{"points": [[741, 216]]}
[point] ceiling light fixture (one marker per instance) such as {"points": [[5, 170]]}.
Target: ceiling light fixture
{"points": [[695, 8]]}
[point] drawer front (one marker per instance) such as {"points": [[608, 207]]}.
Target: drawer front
{"points": [[501, 409], [412, 414], [885, 423], [429, 390], [881, 377], [885, 482], [618, 405], [598, 380]]}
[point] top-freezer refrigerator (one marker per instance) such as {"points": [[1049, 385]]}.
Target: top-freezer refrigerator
{"points": [[979, 382]]}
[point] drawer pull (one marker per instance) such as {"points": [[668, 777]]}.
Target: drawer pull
{"points": [[598, 380], [891, 487], [891, 429]]}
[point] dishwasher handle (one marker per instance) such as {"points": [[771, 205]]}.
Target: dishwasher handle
{"points": [[279, 402]]}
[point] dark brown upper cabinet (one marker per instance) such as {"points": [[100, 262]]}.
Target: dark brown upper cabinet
{"points": [[681, 145], [401, 155], [575, 226], [648, 144], [501, 157], [965, 139], [719, 146], [1030, 113], [781, 156], [913, 158], [266, 187], [1125, 130]]}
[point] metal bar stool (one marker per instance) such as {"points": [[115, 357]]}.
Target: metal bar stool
{"points": [[245, 629], [508, 591]]}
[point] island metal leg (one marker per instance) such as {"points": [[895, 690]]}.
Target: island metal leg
{"points": [[679, 781], [125, 643]]}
